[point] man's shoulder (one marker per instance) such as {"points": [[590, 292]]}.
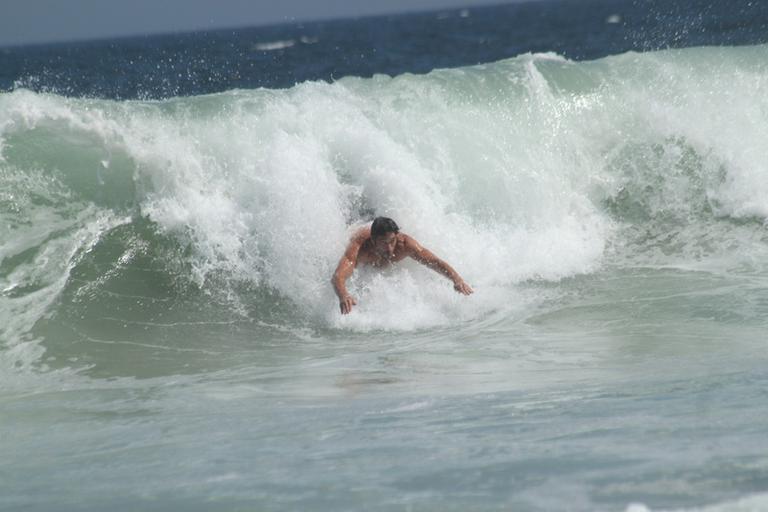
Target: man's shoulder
{"points": [[410, 243], [361, 235]]}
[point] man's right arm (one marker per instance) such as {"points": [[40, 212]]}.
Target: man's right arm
{"points": [[344, 270]]}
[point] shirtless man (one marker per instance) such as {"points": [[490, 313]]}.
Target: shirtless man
{"points": [[380, 245]]}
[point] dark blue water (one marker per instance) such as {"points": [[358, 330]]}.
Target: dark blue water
{"points": [[207, 62]]}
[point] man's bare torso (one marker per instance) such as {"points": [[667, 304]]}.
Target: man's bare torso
{"points": [[368, 255]]}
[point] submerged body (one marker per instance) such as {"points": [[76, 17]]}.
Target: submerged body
{"points": [[380, 245]]}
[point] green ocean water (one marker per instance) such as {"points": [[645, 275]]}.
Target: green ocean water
{"points": [[169, 338]]}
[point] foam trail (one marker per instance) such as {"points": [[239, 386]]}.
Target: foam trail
{"points": [[754, 503]]}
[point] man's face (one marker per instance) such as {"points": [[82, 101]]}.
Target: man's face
{"points": [[384, 245]]}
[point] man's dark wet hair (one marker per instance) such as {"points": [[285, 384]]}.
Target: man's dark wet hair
{"points": [[382, 226]]}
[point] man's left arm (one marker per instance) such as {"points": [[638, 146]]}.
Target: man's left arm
{"points": [[429, 259]]}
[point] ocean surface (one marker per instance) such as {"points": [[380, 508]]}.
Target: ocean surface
{"points": [[172, 208]]}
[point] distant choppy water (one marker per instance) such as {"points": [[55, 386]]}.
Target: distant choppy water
{"points": [[281, 56], [172, 209]]}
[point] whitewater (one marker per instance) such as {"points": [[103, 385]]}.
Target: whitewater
{"points": [[165, 298]]}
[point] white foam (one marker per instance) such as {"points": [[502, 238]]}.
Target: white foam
{"points": [[754, 503], [499, 169], [271, 192], [274, 45]]}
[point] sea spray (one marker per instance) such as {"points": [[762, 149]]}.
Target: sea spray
{"points": [[530, 169]]}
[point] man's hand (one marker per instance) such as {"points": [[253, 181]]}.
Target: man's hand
{"points": [[346, 304], [460, 286]]}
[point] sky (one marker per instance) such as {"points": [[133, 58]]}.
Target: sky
{"points": [[41, 21]]}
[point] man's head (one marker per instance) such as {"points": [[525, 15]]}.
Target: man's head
{"points": [[384, 236]]}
